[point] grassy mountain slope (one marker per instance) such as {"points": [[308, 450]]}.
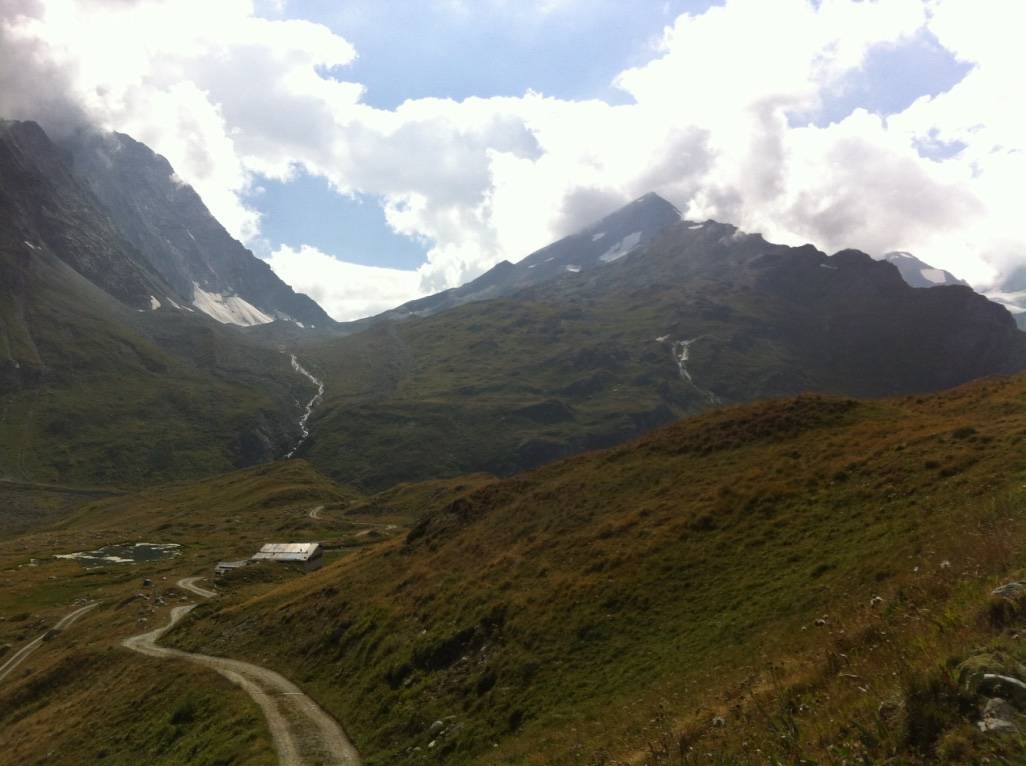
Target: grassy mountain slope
{"points": [[605, 608], [592, 359], [95, 385], [94, 393]]}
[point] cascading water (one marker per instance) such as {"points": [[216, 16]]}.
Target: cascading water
{"points": [[681, 354], [303, 430]]}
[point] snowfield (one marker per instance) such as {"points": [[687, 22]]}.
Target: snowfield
{"points": [[621, 248]]}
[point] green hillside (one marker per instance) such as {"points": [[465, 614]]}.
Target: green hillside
{"points": [[592, 359], [96, 394], [810, 570]]}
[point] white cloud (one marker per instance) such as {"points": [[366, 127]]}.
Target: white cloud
{"points": [[226, 95], [345, 290]]}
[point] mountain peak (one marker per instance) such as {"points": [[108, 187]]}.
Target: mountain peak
{"points": [[919, 274]]}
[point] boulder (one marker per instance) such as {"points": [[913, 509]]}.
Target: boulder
{"points": [[1006, 687], [997, 717], [1010, 590]]}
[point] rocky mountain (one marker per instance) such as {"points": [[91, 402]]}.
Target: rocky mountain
{"points": [[609, 239], [1011, 294], [44, 208], [920, 274], [167, 222], [702, 314], [101, 378]]}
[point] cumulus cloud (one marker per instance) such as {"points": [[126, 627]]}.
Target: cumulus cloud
{"points": [[717, 121], [345, 290]]}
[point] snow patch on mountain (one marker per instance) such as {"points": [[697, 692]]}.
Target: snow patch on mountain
{"points": [[154, 303], [934, 275], [573, 269], [621, 248], [228, 309]]}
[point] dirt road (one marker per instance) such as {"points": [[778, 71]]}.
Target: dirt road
{"points": [[303, 733], [16, 659], [189, 584], [315, 513]]}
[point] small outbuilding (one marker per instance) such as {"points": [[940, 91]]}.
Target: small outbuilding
{"points": [[224, 567], [308, 555]]}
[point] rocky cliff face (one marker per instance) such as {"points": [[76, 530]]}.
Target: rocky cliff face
{"points": [[168, 223], [43, 207]]}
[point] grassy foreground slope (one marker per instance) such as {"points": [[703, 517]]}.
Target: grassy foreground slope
{"points": [[608, 608]]}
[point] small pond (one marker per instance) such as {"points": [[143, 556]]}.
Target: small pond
{"points": [[124, 553]]}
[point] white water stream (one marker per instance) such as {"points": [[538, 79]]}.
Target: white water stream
{"points": [[303, 430], [681, 353]]}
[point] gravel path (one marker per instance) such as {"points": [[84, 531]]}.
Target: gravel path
{"points": [[16, 659], [304, 735]]}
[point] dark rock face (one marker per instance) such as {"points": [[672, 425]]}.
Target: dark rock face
{"points": [[43, 207], [167, 221]]}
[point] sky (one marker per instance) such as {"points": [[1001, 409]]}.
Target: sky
{"points": [[376, 152]]}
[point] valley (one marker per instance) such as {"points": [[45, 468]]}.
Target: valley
{"points": [[886, 525], [661, 492]]}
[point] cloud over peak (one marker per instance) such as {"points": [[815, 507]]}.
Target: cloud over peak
{"points": [[718, 121]]}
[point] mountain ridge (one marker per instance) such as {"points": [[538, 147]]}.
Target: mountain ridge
{"points": [[168, 222], [702, 313]]}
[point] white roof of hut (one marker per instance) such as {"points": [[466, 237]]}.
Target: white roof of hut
{"points": [[288, 552]]}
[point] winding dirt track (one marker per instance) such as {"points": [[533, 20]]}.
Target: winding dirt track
{"points": [[189, 584], [15, 660], [303, 733]]}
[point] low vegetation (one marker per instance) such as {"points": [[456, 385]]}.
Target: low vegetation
{"points": [[790, 581]]}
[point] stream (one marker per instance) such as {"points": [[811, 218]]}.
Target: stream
{"points": [[681, 354], [303, 430]]}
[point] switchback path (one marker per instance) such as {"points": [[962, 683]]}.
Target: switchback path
{"points": [[16, 659], [304, 735], [189, 584]]}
